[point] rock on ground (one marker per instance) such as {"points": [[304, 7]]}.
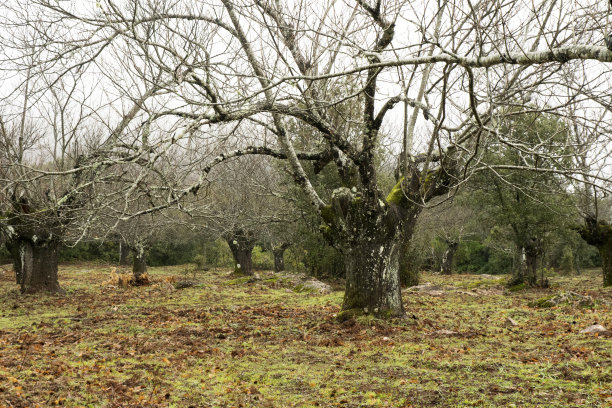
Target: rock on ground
{"points": [[511, 322], [596, 328], [433, 290], [184, 284], [487, 276], [568, 298], [313, 286]]}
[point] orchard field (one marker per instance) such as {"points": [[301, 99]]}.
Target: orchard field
{"points": [[255, 342]]}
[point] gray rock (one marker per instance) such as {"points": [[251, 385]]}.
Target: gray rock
{"points": [[426, 287], [572, 298], [313, 286], [433, 290], [444, 332], [511, 322], [487, 276], [184, 284], [596, 328]]}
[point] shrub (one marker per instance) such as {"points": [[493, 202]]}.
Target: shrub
{"points": [[262, 259], [217, 253], [471, 256], [200, 261]]}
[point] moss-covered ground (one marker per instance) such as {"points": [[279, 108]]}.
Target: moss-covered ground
{"points": [[240, 343]]}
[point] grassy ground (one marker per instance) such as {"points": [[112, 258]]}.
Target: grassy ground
{"points": [[230, 343]]}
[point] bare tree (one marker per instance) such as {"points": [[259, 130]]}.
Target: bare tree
{"points": [[243, 207]]}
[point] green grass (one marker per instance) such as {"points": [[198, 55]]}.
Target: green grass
{"points": [[230, 343]]}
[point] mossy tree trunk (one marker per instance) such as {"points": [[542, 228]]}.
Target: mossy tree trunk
{"points": [[372, 277], [374, 234], [409, 264], [139, 262], [241, 245], [279, 257], [365, 231], [605, 251], [525, 269], [599, 234], [448, 256], [36, 264], [409, 196]]}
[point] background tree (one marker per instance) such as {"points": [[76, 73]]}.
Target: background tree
{"points": [[244, 208], [597, 231], [530, 206]]}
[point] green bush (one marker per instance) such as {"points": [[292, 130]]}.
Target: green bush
{"points": [[320, 259], [294, 259], [471, 257], [499, 262], [310, 253], [200, 261], [173, 252], [263, 260], [218, 254], [105, 251]]}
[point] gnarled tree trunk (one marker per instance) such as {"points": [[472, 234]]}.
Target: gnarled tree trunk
{"points": [[531, 252], [408, 265], [526, 263], [599, 234], [447, 257], [420, 187], [605, 251], [372, 277], [139, 264], [373, 235], [366, 234], [35, 265], [241, 245], [279, 257]]}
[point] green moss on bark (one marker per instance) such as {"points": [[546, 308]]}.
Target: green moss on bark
{"points": [[328, 214], [396, 195]]}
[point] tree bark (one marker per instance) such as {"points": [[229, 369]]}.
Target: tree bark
{"points": [[599, 234], [279, 257], [518, 268], [408, 266], [124, 254], [36, 265], [372, 278], [365, 232], [139, 264], [420, 186], [241, 245], [526, 263], [447, 258], [605, 251]]}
